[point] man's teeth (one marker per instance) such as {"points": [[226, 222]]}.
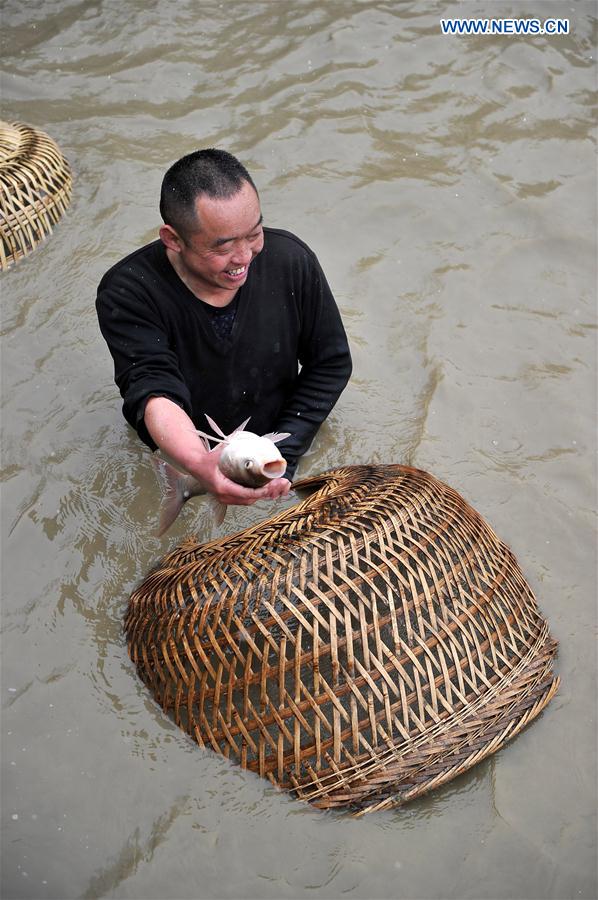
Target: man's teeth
{"points": [[236, 271]]}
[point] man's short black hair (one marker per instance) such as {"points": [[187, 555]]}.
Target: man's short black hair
{"points": [[216, 173]]}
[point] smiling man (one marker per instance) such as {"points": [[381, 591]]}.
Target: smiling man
{"points": [[226, 317]]}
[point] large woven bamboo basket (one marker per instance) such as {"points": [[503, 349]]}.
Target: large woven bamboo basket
{"points": [[35, 189], [364, 646]]}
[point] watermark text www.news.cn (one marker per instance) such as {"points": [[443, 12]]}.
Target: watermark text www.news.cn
{"points": [[504, 26]]}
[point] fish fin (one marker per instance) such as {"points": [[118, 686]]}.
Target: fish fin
{"points": [[218, 430], [206, 438], [215, 428], [241, 427], [218, 510], [172, 484], [277, 436]]}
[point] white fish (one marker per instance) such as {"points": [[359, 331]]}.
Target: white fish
{"points": [[247, 458]]}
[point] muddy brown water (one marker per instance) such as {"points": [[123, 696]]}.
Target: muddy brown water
{"points": [[448, 187]]}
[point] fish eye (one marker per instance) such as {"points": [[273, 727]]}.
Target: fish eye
{"points": [[248, 463]]}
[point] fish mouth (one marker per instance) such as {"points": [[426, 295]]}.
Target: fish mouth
{"points": [[275, 468]]}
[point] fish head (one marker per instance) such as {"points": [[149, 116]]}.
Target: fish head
{"points": [[251, 460]]}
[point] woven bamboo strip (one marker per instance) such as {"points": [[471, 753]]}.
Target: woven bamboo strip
{"points": [[35, 189], [359, 649]]}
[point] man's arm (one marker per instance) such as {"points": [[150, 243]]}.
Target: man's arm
{"points": [[173, 431]]}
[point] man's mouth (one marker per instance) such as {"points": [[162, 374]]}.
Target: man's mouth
{"points": [[236, 273]]}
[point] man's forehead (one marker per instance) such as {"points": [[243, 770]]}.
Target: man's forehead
{"points": [[223, 220]]}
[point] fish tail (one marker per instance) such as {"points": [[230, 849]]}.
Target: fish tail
{"points": [[172, 483], [218, 510]]}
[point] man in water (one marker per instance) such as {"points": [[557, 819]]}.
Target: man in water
{"points": [[226, 317]]}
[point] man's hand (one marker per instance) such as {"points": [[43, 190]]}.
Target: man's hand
{"points": [[277, 488], [175, 434], [226, 491]]}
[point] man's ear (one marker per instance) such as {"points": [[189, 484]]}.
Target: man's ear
{"points": [[170, 238]]}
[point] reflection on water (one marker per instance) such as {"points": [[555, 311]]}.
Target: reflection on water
{"points": [[448, 186]]}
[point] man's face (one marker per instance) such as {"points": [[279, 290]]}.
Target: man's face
{"points": [[216, 258]]}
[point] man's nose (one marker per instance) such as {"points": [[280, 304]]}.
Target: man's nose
{"points": [[243, 254]]}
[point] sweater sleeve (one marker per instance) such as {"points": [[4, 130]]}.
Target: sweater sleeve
{"points": [[144, 363], [325, 361]]}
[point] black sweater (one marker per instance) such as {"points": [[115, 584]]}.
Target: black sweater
{"points": [[285, 364]]}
